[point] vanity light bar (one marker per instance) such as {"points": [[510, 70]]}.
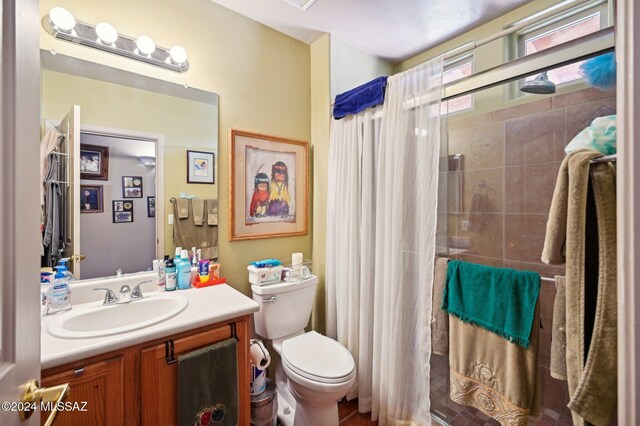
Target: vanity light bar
{"points": [[143, 49]]}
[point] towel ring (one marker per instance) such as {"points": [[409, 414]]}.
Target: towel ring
{"points": [[480, 187]]}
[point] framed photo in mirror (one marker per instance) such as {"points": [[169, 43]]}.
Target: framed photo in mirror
{"points": [[151, 206], [122, 211], [94, 162], [91, 199], [268, 187], [131, 186], [200, 167]]}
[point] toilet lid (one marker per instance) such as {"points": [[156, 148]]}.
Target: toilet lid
{"points": [[318, 358]]}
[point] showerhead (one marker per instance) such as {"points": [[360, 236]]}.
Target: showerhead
{"points": [[541, 85]]}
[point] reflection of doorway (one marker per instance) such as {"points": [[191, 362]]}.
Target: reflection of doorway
{"points": [[123, 234]]}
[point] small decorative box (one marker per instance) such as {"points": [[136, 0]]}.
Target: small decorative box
{"points": [[260, 276]]}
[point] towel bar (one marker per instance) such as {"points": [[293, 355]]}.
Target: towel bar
{"points": [[169, 348]]}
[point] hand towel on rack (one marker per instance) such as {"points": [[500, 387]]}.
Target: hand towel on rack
{"points": [[212, 212], [439, 317], [182, 208], [501, 300], [187, 234], [198, 212], [208, 385], [558, 364]]}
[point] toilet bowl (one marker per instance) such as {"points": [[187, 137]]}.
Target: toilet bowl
{"points": [[315, 371]]}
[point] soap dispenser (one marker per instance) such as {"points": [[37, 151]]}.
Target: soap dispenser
{"points": [[59, 292], [67, 273]]}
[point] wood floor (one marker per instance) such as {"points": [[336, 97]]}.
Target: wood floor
{"points": [[349, 416]]}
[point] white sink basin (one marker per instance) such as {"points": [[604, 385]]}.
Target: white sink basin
{"points": [[89, 322]]}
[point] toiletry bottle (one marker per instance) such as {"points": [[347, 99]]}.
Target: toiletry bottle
{"points": [[203, 270], [183, 269], [44, 288], [59, 293], [178, 254], [194, 265], [214, 270], [171, 278], [161, 271]]}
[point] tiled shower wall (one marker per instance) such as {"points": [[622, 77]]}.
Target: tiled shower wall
{"points": [[510, 159]]}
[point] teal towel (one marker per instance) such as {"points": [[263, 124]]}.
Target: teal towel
{"points": [[208, 385], [501, 300]]}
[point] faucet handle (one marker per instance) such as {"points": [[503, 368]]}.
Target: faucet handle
{"points": [[109, 297], [137, 292]]}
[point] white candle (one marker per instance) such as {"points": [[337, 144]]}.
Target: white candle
{"points": [[296, 260]]}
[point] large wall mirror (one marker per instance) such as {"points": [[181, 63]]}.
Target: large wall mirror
{"points": [[123, 156]]}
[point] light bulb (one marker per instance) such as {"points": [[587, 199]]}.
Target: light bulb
{"points": [[106, 33], [62, 19], [178, 55], [146, 46]]}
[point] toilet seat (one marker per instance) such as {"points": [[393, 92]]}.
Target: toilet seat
{"points": [[318, 358]]}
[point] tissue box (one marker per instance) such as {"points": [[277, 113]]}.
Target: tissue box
{"points": [[260, 276]]}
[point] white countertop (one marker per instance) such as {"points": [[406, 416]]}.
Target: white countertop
{"points": [[206, 306]]}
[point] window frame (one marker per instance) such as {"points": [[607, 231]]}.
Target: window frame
{"points": [[517, 43], [455, 63]]}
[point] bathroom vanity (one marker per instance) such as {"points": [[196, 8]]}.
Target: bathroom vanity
{"points": [[131, 378]]}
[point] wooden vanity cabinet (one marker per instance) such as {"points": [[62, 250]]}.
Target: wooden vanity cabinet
{"points": [[100, 385], [137, 385]]}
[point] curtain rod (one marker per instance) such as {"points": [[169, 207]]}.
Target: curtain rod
{"points": [[593, 44], [548, 13]]}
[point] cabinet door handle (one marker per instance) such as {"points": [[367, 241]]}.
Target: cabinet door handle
{"points": [[33, 393]]}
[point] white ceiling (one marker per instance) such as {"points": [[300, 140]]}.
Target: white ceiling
{"points": [[391, 29]]}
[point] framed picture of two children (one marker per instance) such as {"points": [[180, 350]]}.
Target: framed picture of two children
{"points": [[268, 187]]}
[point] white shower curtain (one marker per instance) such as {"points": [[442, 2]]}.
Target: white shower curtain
{"points": [[381, 224]]}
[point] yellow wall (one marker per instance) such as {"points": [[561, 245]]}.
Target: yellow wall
{"points": [[185, 124], [261, 75], [320, 123]]}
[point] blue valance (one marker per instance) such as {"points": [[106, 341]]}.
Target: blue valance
{"points": [[362, 97]]}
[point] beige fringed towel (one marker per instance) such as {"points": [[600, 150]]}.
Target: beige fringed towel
{"points": [[492, 374], [439, 317], [559, 332], [592, 374]]}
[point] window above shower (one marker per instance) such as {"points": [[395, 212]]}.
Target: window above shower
{"points": [[456, 69], [575, 23]]}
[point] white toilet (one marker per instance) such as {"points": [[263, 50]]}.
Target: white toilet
{"points": [[315, 371]]}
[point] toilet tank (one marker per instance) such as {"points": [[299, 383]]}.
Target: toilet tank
{"points": [[285, 307]]}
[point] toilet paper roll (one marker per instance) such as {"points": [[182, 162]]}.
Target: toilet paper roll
{"points": [[296, 261], [258, 354]]}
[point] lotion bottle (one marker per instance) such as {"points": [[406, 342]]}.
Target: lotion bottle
{"points": [[171, 282]]}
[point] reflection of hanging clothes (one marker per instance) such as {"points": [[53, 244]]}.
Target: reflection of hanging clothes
{"points": [[48, 144], [54, 239], [279, 199]]}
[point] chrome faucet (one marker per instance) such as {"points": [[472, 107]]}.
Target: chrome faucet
{"points": [[109, 298], [137, 292], [125, 295]]}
